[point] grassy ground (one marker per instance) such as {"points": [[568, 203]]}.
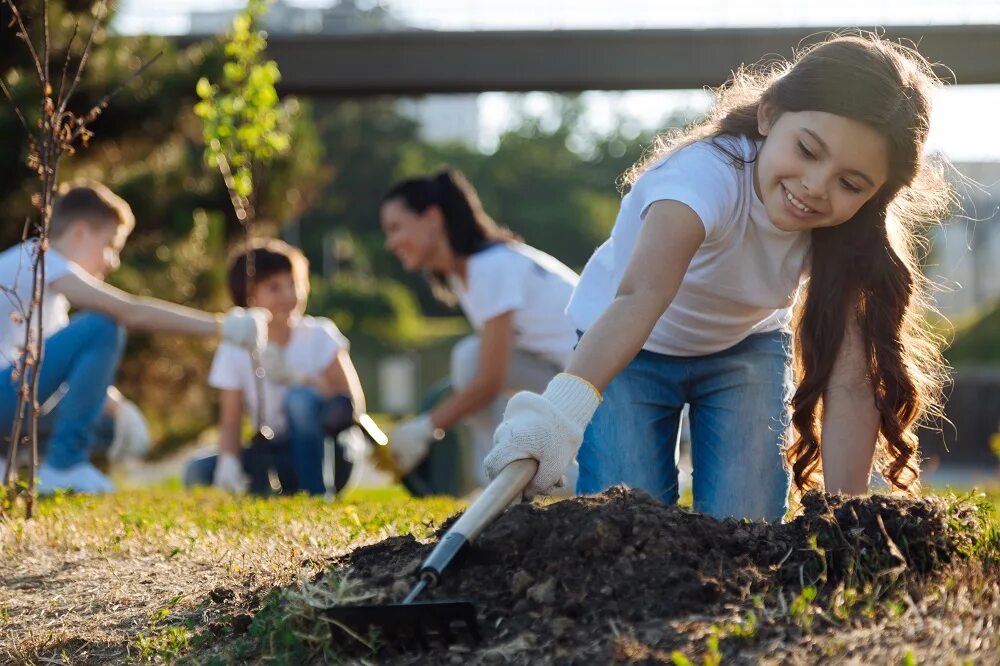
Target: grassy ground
{"points": [[140, 575], [162, 575]]}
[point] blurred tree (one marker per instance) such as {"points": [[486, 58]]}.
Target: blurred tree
{"points": [[555, 183], [560, 198], [148, 148]]}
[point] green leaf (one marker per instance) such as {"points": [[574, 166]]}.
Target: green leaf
{"points": [[204, 88]]}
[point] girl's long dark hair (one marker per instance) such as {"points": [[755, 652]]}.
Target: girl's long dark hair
{"points": [[866, 269], [468, 226]]}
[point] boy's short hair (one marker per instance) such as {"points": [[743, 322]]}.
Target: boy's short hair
{"points": [[270, 257], [94, 205]]}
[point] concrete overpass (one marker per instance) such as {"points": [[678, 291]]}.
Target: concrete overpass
{"points": [[421, 62]]}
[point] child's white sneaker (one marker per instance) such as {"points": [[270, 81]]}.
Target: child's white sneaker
{"points": [[80, 478]]}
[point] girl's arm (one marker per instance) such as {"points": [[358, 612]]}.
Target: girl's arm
{"points": [[549, 427], [230, 422], [850, 418], [341, 377], [134, 312], [669, 238], [495, 343]]}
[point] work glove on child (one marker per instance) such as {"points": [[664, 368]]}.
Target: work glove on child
{"points": [[131, 438], [276, 368], [411, 441], [229, 475], [547, 427], [245, 328]]}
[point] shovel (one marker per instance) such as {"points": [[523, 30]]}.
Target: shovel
{"points": [[440, 620]]}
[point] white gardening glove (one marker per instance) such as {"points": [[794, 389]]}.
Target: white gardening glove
{"points": [[411, 441], [131, 433], [245, 328], [276, 368], [229, 475], [547, 427]]}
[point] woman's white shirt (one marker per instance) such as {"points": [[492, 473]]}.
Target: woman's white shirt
{"points": [[514, 277]]}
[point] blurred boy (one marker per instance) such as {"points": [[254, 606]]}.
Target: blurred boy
{"points": [[310, 388], [88, 229]]}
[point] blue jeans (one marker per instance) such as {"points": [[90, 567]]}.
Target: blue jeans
{"points": [[739, 423], [84, 355], [296, 456]]}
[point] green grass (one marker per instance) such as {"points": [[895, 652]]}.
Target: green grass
{"points": [[168, 520]]}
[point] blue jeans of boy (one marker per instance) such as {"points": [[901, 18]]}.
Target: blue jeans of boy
{"points": [[739, 421], [84, 355], [297, 455]]}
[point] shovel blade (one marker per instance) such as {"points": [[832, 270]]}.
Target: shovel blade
{"points": [[419, 622]]}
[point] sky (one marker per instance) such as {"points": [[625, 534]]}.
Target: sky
{"points": [[960, 112]]}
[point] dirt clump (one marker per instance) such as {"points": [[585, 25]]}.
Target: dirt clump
{"points": [[554, 583]]}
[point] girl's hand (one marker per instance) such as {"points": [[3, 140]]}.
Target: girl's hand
{"points": [[547, 427]]}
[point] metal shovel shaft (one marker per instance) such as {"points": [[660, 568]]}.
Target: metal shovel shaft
{"points": [[504, 489]]}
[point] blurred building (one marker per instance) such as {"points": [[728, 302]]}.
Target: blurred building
{"points": [[965, 250], [442, 118]]}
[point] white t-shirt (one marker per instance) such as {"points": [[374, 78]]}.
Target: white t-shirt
{"points": [[742, 280], [314, 343], [535, 286], [15, 296]]}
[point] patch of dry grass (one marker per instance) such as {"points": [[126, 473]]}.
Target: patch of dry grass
{"points": [[132, 577]]}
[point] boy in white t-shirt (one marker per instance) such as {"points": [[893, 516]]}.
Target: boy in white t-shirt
{"points": [[88, 228], [310, 388]]}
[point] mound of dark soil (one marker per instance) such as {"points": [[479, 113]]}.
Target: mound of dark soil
{"points": [[864, 537], [554, 579]]}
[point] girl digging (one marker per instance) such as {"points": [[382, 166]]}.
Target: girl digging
{"points": [[805, 183], [514, 295]]}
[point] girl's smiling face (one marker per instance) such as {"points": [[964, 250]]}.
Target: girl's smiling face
{"points": [[817, 169]]}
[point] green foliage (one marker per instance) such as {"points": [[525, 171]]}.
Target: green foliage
{"points": [[802, 610], [555, 185], [243, 122], [163, 640], [376, 308], [977, 342], [167, 374], [745, 629], [677, 658]]}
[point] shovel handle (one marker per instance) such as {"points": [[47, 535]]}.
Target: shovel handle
{"points": [[497, 496], [503, 490]]}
